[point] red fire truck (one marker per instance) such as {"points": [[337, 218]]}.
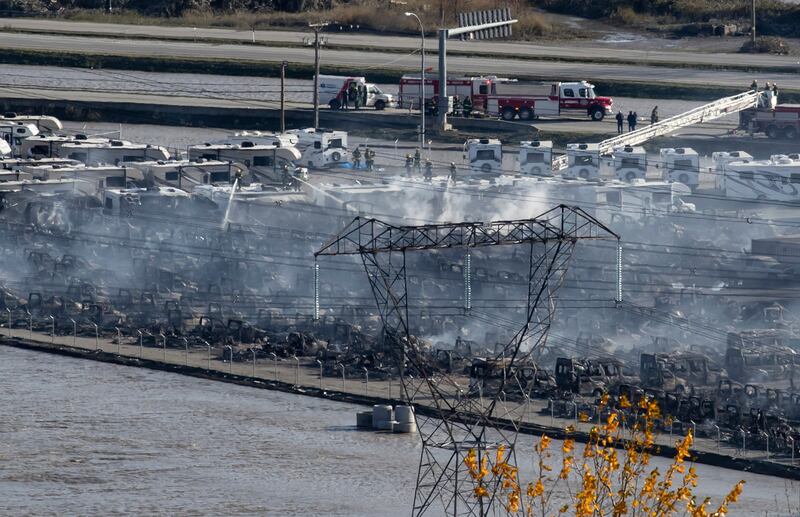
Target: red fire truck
{"points": [[782, 121], [515, 100], [477, 88], [510, 99]]}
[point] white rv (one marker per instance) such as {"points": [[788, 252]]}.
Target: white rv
{"points": [[44, 123], [485, 155], [100, 176], [721, 160], [49, 146], [536, 158], [5, 149], [129, 201], [263, 138], [630, 163], [681, 164], [185, 174], [112, 151], [321, 147], [265, 162], [776, 179], [583, 161], [14, 133]]}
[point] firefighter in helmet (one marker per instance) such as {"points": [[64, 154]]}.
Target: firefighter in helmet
{"points": [[409, 163], [453, 172], [357, 158], [369, 158], [428, 170], [417, 158], [466, 107]]}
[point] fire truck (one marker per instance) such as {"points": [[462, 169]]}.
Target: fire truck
{"points": [[781, 121], [509, 101], [476, 88]]}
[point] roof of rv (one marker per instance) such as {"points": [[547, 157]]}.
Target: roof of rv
{"points": [[236, 147], [108, 144], [537, 144]]}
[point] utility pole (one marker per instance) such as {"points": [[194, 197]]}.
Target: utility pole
{"points": [[753, 32], [316, 27], [283, 96]]}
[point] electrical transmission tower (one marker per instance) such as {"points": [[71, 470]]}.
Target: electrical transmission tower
{"points": [[460, 415]]}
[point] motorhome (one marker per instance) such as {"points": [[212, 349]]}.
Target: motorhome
{"points": [[321, 147], [129, 201], [112, 151], [776, 179], [101, 176], [485, 155], [264, 162], [14, 133], [49, 146], [44, 123], [583, 161], [263, 138], [721, 160], [681, 164], [185, 174], [630, 163], [536, 158]]}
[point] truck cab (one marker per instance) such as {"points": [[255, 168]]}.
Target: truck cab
{"points": [[485, 155], [536, 158], [630, 163], [584, 161], [681, 164], [580, 96]]}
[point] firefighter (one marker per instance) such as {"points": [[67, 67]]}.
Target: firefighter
{"points": [[428, 170], [286, 177], [352, 92], [357, 158], [343, 100], [364, 95], [417, 158], [620, 122], [466, 107], [453, 172], [369, 158], [456, 106], [654, 115], [754, 85], [409, 163]]}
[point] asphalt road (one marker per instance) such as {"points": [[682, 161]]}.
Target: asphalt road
{"points": [[680, 51], [362, 62]]}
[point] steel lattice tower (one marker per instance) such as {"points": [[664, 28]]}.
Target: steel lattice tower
{"points": [[463, 420]]}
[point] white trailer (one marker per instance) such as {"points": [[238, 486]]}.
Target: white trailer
{"points": [[44, 123], [681, 164], [776, 179], [583, 161], [721, 160], [536, 158], [112, 152], [485, 155], [185, 174], [630, 163], [321, 148]]}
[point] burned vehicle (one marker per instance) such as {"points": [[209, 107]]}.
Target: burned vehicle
{"points": [[487, 376], [583, 376], [679, 373], [759, 356]]}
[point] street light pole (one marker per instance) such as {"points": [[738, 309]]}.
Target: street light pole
{"points": [[283, 96], [316, 27], [421, 82]]}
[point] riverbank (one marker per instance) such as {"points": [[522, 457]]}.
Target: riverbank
{"points": [[302, 377]]}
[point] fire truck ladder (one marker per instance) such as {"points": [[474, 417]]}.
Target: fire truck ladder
{"points": [[705, 113]]}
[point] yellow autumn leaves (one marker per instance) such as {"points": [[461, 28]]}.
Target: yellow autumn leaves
{"points": [[610, 477]]}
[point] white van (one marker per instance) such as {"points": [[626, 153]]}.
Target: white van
{"points": [[332, 88]]}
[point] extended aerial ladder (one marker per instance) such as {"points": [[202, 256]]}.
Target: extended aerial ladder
{"points": [[705, 113]]}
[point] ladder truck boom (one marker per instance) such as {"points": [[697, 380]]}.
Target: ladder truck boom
{"points": [[705, 113]]}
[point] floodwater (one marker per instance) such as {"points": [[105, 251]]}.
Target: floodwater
{"points": [[85, 438]]}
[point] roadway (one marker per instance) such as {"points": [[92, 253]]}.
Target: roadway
{"points": [[362, 62], [686, 52]]}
